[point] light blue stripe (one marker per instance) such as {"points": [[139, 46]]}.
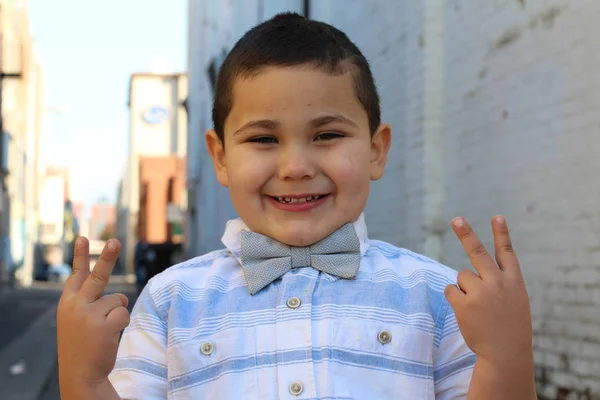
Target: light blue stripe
{"points": [[142, 365], [209, 325], [145, 315], [419, 299], [454, 366], [203, 261], [325, 354], [392, 252]]}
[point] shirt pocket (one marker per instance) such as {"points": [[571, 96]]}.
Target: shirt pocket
{"points": [[388, 360], [216, 366]]}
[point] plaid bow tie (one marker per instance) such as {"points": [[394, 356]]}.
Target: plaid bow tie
{"points": [[265, 260]]}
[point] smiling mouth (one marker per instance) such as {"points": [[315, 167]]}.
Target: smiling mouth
{"points": [[298, 200]]}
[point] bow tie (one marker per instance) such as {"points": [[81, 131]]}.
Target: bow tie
{"points": [[265, 260]]}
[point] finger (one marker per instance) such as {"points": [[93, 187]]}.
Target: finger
{"points": [[118, 319], [111, 301], [454, 295], [81, 265], [468, 280], [505, 254], [476, 251], [97, 281]]}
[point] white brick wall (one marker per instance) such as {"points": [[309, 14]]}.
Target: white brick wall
{"points": [[521, 138], [493, 110]]}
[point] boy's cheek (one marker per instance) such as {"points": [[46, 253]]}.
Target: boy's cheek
{"points": [[248, 179], [350, 170]]}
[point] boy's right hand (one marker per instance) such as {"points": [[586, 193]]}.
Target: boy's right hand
{"points": [[89, 324]]}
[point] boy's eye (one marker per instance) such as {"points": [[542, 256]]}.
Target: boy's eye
{"points": [[263, 140], [328, 136]]}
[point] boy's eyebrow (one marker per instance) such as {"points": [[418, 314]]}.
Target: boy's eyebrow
{"points": [[260, 123], [270, 124], [329, 118]]}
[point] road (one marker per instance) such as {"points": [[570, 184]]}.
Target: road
{"points": [[28, 362]]}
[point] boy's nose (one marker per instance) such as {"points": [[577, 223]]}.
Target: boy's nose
{"points": [[296, 164]]}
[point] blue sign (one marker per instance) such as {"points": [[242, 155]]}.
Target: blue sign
{"points": [[155, 115]]}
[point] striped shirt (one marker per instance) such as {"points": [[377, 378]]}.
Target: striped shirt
{"points": [[196, 332]]}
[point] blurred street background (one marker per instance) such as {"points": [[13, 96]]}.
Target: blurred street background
{"points": [[494, 107]]}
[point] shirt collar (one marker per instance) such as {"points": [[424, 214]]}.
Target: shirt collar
{"points": [[233, 234]]}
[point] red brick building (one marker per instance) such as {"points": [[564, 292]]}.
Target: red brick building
{"points": [[162, 183]]}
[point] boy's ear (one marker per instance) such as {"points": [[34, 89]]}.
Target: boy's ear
{"points": [[380, 145], [217, 154]]}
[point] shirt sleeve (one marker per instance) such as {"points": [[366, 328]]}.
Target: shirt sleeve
{"points": [[453, 360], [141, 368]]}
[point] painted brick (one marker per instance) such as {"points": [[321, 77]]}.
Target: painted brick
{"points": [[493, 111]]}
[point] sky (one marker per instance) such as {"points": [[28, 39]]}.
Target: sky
{"points": [[88, 50]]}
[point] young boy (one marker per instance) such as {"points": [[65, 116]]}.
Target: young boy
{"points": [[301, 303]]}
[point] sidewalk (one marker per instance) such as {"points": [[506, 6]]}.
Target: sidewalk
{"points": [[28, 362]]}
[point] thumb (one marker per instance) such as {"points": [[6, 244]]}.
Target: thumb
{"points": [[454, 295], [124, 300], [118, 319]]}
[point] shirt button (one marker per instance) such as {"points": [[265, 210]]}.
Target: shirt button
{"points": [[294, 302], [207, 348], [384, 337], [296, 388]]}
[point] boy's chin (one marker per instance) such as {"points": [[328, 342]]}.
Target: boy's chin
{"points": [[302, 242], [301, 236]]}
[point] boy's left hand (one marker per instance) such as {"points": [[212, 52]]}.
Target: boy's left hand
{"points": [[492, 307]]}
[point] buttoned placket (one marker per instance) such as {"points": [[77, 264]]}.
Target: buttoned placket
{"points": [[296, 380]]}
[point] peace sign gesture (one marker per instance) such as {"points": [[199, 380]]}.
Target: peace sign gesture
{"points": [[493, 314], [89, 324]]}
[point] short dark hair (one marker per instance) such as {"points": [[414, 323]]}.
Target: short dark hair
{"points": [[289, 39]]}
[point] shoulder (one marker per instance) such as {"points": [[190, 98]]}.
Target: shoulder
{"points": [[404, 262], [413, 281], [194, 275]]}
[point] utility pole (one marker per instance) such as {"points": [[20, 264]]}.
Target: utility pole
{"points": [[306, 9]]}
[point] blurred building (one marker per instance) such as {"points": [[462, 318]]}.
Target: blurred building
{"points": [[158, 128], [22, 110], [58, 228], [488, 121], [84, 227], [64, 173], [103, 216], [52, 210], [78, 209]]}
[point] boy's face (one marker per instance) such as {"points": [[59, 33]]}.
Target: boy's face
{"points": [[301, 134]]}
